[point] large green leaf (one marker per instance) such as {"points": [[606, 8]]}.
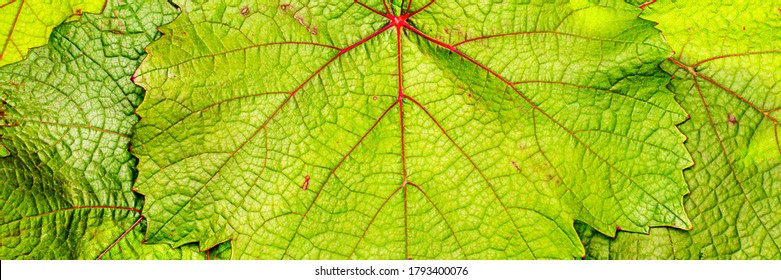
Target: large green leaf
{"points": [[471, 129], [28, 24], [66, 115], [726, 75]]}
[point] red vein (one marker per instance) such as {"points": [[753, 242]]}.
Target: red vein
{"points": [[767, 115], [646, 4], [589, 88], [257, 178], [6, 4], [732, 55], [696, 74], [409, 5], [726, 156], [406, 222], [555, 169], [474, 165], [247, 48], [421, 9], [537, 32], [209, 107], [120, 237], [778, 144], [461, 54], [13, 26], [105, 3], [534, 106], [369, 8], [386, 8], [372, 221], [400, 98], [32, 12], [333, 171], [268, 120], [443, 219]]}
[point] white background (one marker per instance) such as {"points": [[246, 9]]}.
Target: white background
{"points": [[516, 270]]}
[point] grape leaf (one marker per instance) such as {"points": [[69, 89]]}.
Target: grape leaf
{"points": [[28, 24], [726, 76], [407, 129], [66, 115]]}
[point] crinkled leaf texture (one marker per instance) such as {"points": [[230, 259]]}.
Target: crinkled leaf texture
{"points": [[456, 130], [66, 115], [726, 75], [28, 24]]}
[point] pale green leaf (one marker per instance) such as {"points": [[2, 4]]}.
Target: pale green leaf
{"points": [[28, 24], [280, 126], [726, 75]]}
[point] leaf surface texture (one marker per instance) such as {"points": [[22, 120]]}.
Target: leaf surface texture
{"points": [[725, 74], [407, 129], [28, 24], [65, 119]]}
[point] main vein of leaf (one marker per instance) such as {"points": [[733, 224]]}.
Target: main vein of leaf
{"points": [[400, 100]]}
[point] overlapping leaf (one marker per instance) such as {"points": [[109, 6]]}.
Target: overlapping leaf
{"points": [[726, 75], [471, 129], [28, 24], [66, 115]]}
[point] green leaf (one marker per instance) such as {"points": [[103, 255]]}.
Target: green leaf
{"points": [[474, 130], [220, 252], [726, 76], [28, 24], [67, 112]]}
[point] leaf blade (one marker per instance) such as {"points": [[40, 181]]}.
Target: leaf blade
{"points": [[337, 144], [722, 77]]}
